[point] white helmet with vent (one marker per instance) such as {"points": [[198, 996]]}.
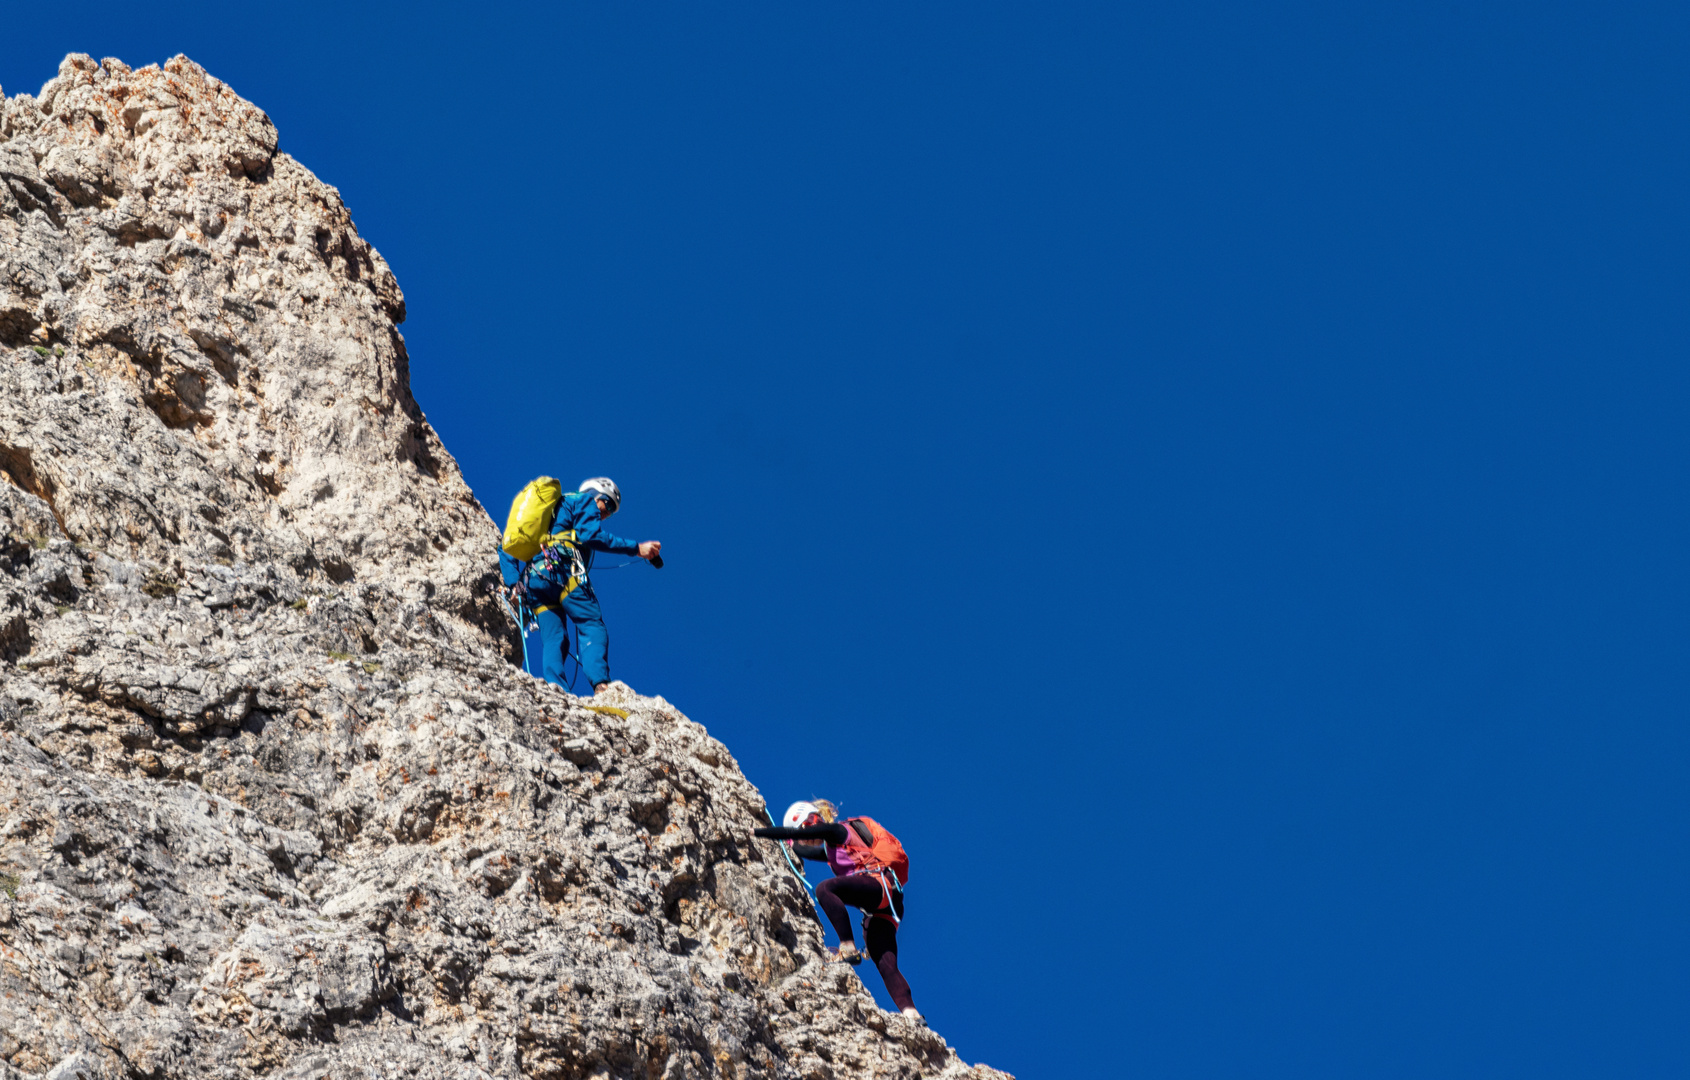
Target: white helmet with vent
{"points": [[798, 813]]}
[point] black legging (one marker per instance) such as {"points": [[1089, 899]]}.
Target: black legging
{"points": [[881, 935]]}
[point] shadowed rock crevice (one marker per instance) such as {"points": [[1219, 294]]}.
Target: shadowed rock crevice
{"points": [[17, 468]]}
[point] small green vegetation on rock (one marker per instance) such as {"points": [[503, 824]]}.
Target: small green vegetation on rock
{"points": [[159, 586], [336, 655], [9, 884]]}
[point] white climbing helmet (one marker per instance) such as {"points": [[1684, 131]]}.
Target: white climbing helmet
{"points": [[798, 813], [605, 486]]}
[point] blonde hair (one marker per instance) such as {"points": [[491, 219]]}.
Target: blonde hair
{"points": [[828, 811]]}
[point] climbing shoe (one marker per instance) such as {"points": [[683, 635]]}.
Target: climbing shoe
{"points": [[848, 954], [911, 1014]]}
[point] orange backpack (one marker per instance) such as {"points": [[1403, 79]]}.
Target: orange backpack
{"points": [[874, 849]]}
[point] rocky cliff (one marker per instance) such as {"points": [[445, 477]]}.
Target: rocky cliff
{"points": [[273, 800]]}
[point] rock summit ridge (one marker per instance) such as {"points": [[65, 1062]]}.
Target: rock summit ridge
{"points": [[273, 799]]}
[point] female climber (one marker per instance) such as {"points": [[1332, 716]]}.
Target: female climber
{"points": [[870, 870]]}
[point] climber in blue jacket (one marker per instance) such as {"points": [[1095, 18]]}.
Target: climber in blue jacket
{"points": [[546, 585]]}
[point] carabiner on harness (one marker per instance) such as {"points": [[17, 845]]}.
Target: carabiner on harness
{"points": [[886, 893], [553, 563]]}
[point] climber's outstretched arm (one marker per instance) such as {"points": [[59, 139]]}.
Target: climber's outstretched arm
{"points": [[831, 833]]}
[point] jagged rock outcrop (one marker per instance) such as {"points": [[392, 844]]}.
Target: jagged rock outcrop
{"points": [[273, 801]]}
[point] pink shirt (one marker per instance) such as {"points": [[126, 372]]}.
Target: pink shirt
{"points": [[843, 858]]}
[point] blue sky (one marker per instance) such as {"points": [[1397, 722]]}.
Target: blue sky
{"points": [[1210, 477]]}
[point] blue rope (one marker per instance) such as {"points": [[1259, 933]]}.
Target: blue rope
{"points": [[522, 628], [797, 873], [575, 655], [521, 617]]}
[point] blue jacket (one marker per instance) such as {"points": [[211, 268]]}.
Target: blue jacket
{"points": [[579, 511]]}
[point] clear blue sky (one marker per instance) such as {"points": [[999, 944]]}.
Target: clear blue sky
{"points": [[1211, 477]]}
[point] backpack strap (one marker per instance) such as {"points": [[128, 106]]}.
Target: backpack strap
{"points": [[867, 861], [863, 832]]}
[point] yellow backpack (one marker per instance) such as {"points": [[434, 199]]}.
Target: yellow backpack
{"points": [[530, 521]]}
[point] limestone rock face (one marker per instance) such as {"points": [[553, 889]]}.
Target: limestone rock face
{"points": [[273, 799]]}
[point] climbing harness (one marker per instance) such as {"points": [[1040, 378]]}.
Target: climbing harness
{"points": [[559, 560], [799, 874], [886, 892]]}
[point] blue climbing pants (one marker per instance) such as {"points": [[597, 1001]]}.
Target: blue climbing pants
{"points": [[582, 608]]}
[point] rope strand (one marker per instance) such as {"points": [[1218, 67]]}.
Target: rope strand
{"points": [[799, 874]]}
